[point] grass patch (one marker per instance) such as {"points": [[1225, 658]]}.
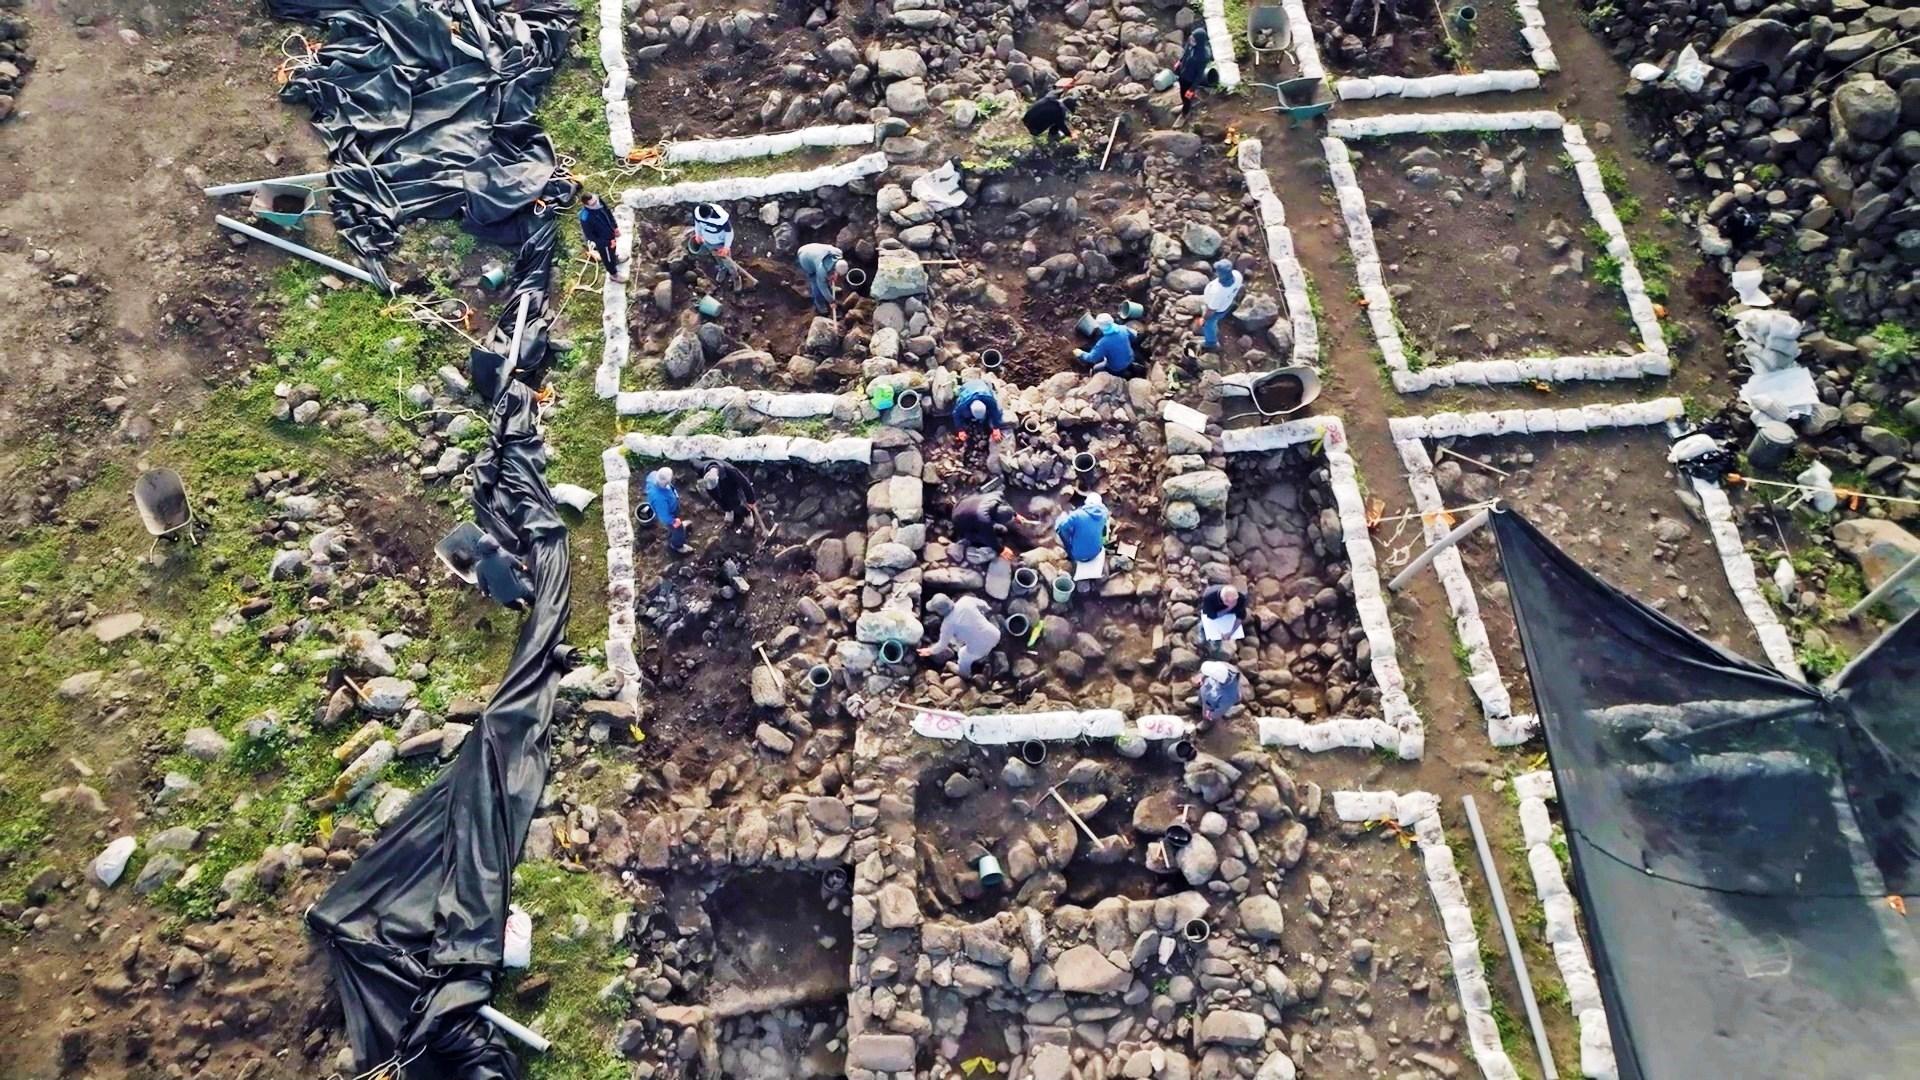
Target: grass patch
{"points": [[574, 948]]}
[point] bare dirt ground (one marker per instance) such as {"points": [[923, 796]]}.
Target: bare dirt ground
{"points": [[1477, 270]]}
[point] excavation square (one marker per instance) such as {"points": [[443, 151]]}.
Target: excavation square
{"points": [[989, 801], [1418, 38], [706, 70], [1622, 519], [713, 624], [1304, 653], [1103, 644], [688, 325], [1487, 250]]}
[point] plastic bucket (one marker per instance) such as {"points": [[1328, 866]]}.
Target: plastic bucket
{"points": [[1033, 751], [892, 652], [1197, 930], [991, 876], [1084, 461], [856, 277], [991, 359], [1031, 424], [1131, 310], [1085, 324], [1063, 587], [1183, 750], [1464, 16], [1026, 578], [708, 306], [1018, 625], [907, 400], [643, 513], [881, 395], [819, 675], [835, 879], [1178, 836]]}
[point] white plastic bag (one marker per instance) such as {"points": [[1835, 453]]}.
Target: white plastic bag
{"points": [[940, 188], [1689, 71], [518, 949]]}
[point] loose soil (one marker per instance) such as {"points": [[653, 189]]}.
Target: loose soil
{"points": [[778, 929], [1480, 279], [1415, 48], [697, 639], [776, 313], [720, 92], [1618, 536], [1020, 220]]}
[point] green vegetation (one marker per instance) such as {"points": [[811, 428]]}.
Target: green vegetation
{"points": [[1650, 256], [1820, 658], [574, 948], [1766, 173], [1892, 346]]}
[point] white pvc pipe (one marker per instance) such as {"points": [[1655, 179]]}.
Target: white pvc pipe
{"points": [[284, 244], [1421, 560], [515, 1028], [249, 185], [519, 327], [1880, 591], [1513, 941]]}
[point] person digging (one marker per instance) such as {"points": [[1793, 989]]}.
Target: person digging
{"points": [[712, 237], [664, 501], [968, 633], [602, 234], [1048, 116], [976, 410], [1112, 349], [1083, 534], [823, 264], [730, 490], [986, 520], [1223, 614]]}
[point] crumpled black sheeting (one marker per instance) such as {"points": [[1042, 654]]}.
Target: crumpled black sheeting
{"points": [[417, 128], [1734, 834], [415, 929]]}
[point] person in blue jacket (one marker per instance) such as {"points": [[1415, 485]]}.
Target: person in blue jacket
{"points": [[1083, 532], [665, 502], [1112, 350], [976, 407]]}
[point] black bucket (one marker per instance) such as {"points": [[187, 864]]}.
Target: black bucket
{"points": [[1033, 751]]}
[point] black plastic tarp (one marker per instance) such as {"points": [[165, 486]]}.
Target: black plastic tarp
{"points": [[415, 929], [1735, 835], [427, 113]]}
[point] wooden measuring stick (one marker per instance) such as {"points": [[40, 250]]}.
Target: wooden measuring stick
{"points": [[1055, 792]]}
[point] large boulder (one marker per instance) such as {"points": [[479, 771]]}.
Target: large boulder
{"points": [[1204, 488], [899, 275], [1754, 41], [1865, 110], [1882, 548], [683, 356], [891, 64], [1083, 969]]}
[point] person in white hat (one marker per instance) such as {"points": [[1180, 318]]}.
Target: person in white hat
{"points": [[712, 236]]}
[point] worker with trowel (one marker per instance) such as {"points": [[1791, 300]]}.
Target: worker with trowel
{"points": [[1083, 533], [823, 264], [968, 631], [986, 520], [1112, 349], [1195, 68], [730, 490], [976, 410], [664, 501], [712, 237], [602, 234]]}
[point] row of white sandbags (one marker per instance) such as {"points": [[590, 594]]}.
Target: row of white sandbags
{"points": [[1473, 425], [1419, 811], [846, 450], [1364, 127], [613, 57], [734, 188], [1744, 581], [618, 344], [1433, 86], [1477, 373], [744, 147], [765, 402], [1597, 1062], [1281, 252]]}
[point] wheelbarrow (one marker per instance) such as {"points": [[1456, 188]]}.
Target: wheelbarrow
{"points": [[160, 497], [1267, 30], [1281, 392], [286, 205], [1301, 99]]}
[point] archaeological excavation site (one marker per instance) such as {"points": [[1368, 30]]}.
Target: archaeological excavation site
{"points": [[1058, 540]]}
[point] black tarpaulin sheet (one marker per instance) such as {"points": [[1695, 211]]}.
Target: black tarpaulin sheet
{"points": [[427, 115], [415, 929], [1734, 834]]}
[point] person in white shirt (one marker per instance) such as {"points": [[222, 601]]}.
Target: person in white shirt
{"points": [[1219, 297]]}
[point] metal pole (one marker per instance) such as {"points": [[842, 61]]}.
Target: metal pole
{"points": [[249, 185], [519, 327], [1881, 590], [1513, 942], [284, 244], [515, 1028], [1421, 560]]}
